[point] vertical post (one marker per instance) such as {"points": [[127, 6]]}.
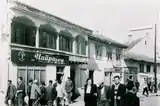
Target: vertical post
{"points": [[57, 42], [155, 59], [37, 37]]}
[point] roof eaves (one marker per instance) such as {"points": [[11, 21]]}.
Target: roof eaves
{"points": [[49, 15]]}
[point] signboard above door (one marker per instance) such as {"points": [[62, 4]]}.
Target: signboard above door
{"points": [[21, 57]]}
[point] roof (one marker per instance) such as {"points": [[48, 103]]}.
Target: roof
{"points": [[30, 8], [106, 40], [133, 43], [140, 57]]}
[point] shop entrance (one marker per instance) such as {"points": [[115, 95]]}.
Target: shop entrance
{"points": [[32, 73], [72, 72], [59, 73]]}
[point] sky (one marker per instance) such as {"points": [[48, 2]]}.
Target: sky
{"points": [[112, 18]]}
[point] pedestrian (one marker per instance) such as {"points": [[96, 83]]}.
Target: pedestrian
{"points": [[130, 99], [60, 93], [29, 92], [10, 95], [20, 92], [35, 93], [145, 87], [137, 84], [50, 93], [69, 89], [43, 100], [117, 93], [90, 93], [54, 87], [103, 95], [149, 84]]}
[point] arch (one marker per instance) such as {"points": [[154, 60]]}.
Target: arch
{"points": [[66, 33], [81, 38], [24, 20], [47, 27]]}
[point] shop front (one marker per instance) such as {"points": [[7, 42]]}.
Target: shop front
{"points": [[38, 65]]}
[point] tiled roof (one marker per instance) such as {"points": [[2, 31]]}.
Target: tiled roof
{"points": [[107, 40], [140, 57], [133, 43]]}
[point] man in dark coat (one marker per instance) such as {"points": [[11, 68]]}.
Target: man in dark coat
{"points": [[29, 92], [51, 94], [20, 92], [117, 92], [103, 95], [10, 96], [130, 99]]}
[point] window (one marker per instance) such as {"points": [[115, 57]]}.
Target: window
{"points": [[65, 43], [141, 66], [98, 49], [109, 53], [148, 68], [80, 45], [118, 54], [47, 39], [23, 34]]}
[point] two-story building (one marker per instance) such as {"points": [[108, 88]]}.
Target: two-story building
{"points": [[105, 58], [39, 45]]}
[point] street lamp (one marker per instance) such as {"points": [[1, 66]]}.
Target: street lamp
{"points": [[155, 50]]}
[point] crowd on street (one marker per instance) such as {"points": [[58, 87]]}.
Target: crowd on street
{"points": [[62, 94]]}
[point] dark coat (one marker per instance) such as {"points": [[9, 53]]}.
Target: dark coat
{"points": [[121, 92], [11, 92], [106, 92], [130, 99], [92, 98], [21, 87], [51, 93], [69, 86]]}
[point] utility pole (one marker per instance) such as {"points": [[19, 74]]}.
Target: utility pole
{"points": [[155, 58]]}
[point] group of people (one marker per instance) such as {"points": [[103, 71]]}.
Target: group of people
{"points": [[57, 94], [116, 95]]}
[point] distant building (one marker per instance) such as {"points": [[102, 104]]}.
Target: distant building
{"points": [[105, 58], [139, 59]]}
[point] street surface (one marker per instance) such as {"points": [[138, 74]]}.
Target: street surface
{"points": [[152, 100]]}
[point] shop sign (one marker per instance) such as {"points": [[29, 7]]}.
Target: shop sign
{"points": [[32, 58]]}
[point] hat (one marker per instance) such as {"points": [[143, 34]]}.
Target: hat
{"points": [[35, 81]]}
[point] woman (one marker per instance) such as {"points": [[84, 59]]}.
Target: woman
{"points": [[43, 102], [90, 93]]}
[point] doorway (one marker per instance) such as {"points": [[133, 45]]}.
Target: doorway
{"points": [[72, 75], [59, 73]]}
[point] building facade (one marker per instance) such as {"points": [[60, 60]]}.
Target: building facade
{"points": [[105, 58], [41, 46]]}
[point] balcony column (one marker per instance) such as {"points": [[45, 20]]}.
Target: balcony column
{"points": [[87, 44], [37, 37], [57, 42], [74, 46]]}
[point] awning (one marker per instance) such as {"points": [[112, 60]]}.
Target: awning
{"points": [[99, 64]]}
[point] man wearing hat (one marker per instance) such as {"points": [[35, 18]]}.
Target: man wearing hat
{"points": [[35, 93]]}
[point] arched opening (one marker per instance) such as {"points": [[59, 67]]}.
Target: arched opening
{"points": [[23, 31], [81, 44], [65, 41], [47, 36]]}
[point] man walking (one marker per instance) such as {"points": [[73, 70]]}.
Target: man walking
{"points": [[68, 88], [103, 95], [35, 93], [10, 96], [20, 92], [137, 84], [50, 94], [118, 91], [29, 92], [145, 87]]}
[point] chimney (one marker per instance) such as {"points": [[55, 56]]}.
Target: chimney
{"points": [[129, 38]]}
